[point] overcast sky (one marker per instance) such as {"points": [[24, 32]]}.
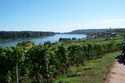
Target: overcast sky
{"points": [[61, 15]]}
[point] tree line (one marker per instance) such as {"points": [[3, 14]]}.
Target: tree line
{"points": [[5, 35], [43, 63]]}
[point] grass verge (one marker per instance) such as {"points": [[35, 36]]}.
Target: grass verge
{"points": [[94, 71]]}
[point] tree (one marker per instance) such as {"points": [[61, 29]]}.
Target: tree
{"points": [[62, 57]]}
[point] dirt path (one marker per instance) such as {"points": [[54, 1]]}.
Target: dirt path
{"points": [[117, 74]]}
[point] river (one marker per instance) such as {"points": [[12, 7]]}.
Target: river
{"points": [[53, 38]]}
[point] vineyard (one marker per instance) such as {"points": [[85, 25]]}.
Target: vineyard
{"points": [[44, 63]]}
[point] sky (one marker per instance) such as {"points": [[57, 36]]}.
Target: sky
{"points": [[61, 15]]}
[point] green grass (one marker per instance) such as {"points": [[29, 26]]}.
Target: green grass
{"points": [[94, 71]]}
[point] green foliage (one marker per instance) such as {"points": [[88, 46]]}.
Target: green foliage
{"points": [[25, 43], [94, 71], [39, 63]]}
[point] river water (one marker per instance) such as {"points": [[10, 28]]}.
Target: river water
{"points": [[53, 38]]}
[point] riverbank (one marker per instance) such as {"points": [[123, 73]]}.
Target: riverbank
{"points": [[19, 39], [7, 36], [9, 40]]}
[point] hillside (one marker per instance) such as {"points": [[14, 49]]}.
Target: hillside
{"points": [[87, 31]]}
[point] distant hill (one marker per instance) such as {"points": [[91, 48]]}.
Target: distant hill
{"points": [[88, 31]]}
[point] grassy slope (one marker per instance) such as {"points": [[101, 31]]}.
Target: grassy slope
{"points": [[94, 71]]}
